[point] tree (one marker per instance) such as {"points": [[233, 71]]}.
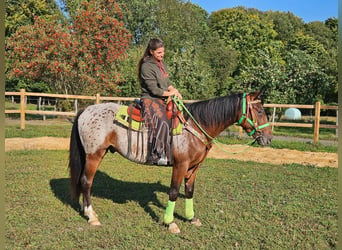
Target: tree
{"points": [[246, 33], [270, 76], [72, 58], [326, 35], [222, 61], [19, 13], [306, 78], [180, 23], [332, 24], [191, 75], [128, 68], [286, 24], [140, 18]]}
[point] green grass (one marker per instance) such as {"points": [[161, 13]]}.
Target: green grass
{"points": [[16, 106], [244, 204], [30, 131], [324, 133]]}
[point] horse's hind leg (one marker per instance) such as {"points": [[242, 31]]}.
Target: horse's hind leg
{"points": [[92, 163]]}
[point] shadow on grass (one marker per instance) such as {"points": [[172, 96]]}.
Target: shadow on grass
{"points": [[118, 191]]}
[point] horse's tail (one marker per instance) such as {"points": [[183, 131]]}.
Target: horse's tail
{"points": [[76, 159]]}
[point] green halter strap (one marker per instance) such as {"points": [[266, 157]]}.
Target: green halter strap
{"points": [[244, 116]]}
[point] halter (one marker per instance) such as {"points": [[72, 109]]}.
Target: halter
{"points": [[244, 117]]}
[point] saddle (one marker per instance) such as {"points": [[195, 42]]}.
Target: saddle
{"points": [[131, 116], [172, 112]]}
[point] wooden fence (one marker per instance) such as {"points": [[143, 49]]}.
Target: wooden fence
{"points": [[97, 99]]}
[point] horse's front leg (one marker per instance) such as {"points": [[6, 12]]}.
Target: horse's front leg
{"points": [[178, 174], [189, 181], [91, 165]]}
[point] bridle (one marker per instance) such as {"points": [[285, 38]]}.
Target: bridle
{"points": [[245, 112]]}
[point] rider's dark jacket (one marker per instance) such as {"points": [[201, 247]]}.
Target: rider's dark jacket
{"points": [[154, 78]]}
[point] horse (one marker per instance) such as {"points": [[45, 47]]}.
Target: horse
{"points": [[95, 131]]}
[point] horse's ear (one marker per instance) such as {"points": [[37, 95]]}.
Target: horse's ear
{"points": [[255, 95], [258, 95]]}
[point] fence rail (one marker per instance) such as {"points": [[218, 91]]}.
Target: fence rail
{"points": [[97, 99]]}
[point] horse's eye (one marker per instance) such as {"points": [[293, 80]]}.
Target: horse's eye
{"points": [[259, 111]]}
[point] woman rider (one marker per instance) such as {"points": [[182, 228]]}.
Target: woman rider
{"points": [[156, 88]]}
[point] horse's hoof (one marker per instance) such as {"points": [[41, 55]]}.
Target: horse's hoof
{"points": [[196, 222], [94, 223], [173, 228]]}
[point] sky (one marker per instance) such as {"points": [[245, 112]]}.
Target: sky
{"points": [[307, 10]]}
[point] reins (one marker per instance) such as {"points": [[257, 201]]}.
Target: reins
{"points": [[180, 105]]}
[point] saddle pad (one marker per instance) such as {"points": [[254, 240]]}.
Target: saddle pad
{"points": [[123, 118], [178, 130]]}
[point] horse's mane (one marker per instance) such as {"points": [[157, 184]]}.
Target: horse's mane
{"points": [[216, 111]]}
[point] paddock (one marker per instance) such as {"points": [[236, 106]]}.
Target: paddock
{"points": [[243, 204]]}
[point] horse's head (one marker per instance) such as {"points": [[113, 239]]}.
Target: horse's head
{"points": [[254, 120]]}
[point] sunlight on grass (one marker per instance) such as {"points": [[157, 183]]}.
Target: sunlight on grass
{"points": [[247, 204]]}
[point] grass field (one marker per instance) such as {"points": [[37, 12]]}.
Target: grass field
{"points": [[241, 205]]}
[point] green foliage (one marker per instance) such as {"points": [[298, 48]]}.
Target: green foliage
{"points": [[326, 35], [269, 76], [332, 24], [190, 75], [20, 13], [140, 19], [15, 84], [222, 61], [280, 54], [236, 49], [306, 78], [181, 24], [244, 32], [286, 24], [129, 85]]}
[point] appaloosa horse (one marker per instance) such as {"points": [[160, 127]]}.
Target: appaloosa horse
{"points": [[95, 131]]}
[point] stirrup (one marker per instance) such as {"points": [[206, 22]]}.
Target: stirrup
{"points": [[162, 161]]}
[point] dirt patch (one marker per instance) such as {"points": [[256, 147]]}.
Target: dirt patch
{"points": [[277, 156], [262, 155], [36, 143]]}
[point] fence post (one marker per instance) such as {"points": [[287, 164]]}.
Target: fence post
{"points": [[97, 98], [317, 119], [44, 116], [22, 108], [75, 106], [273, 115], [39, 102], [240, 132], [337, 123]]}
